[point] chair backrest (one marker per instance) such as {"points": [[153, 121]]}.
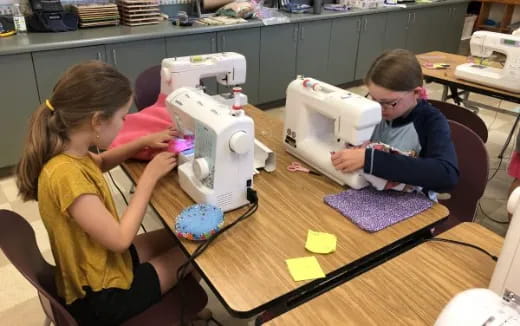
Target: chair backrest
{"points": [[463, 116], [18, 242], [147, 87], [473, 164]]}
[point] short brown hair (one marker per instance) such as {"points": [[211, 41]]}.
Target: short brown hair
{"points": [[396, 70], [83, 90]]}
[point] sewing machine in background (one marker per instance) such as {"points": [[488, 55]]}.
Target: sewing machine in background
{"points": [[483, 44], [320, 119], [222, 166], [500, 304], [229, 69]]}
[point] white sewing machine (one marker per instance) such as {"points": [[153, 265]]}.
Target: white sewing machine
{"points": [[229, 68], [222, 168], [483, 44], [320, 119], [500, 304]]}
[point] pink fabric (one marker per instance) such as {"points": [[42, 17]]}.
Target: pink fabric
{"points": [[152, 119], [514, 165]]}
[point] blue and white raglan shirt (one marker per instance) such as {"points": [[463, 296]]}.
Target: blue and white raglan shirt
{"points": [[424, 130]]}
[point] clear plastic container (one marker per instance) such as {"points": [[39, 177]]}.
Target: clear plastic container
{"points": [[19, 19]]}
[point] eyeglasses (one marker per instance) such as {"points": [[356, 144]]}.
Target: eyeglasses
{"points": [[386, 104]]}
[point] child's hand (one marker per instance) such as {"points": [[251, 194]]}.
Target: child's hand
{"points": [[160, 165], [160, 140], [349, 160]]}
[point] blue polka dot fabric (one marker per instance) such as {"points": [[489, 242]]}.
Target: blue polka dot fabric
{"points": [[199, 222]]}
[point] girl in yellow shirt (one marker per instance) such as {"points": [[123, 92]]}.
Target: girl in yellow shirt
{"points": [[105, 272]]}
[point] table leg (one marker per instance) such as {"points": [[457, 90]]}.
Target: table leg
{"points": [[455, 95], [444, 96]]}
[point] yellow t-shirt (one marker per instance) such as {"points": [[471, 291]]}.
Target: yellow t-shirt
{"points": [[80, 260]]}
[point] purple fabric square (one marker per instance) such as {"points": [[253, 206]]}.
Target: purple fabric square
{"points": [[374, 210]]}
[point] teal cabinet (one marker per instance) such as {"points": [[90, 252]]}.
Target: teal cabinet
{"points": [[396, 30], [278, 48], [19, 101], [247, 43], [419, 29], [313, 49], [371, 42], [344, 38], [50, 65], [132, 58]]}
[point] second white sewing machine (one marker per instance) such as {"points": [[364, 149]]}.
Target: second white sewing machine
{"points": [[229, 69], [222, 168], [320, 119], [483, 44]]}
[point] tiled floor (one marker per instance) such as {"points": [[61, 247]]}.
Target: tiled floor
{"points": [[19, 304]]}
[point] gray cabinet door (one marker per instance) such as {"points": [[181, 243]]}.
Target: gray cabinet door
{"points": [[19, 100], [247, 43], [278, 46], [179, 46], [396, 30], [371, 39], [313, 49], [344, 39], [418, 31], [456, 24], [132, 58], [49, 65], [439, 28]]}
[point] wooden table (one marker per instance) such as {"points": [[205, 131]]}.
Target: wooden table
{"points": [[411, 289], [246, 266], [447, 78]]}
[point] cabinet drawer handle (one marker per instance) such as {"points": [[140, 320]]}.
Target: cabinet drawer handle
{"points": [[366, 23], [223, 43], [409, 15], [213, 46], [295, 33], [358, 25], [414, 17], [453, 11], [99, 56], [114, 56], [301, 33]]}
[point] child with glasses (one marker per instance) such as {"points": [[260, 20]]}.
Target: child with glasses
{"points": [[410, 123]]}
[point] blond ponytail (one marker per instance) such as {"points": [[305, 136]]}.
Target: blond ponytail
{"points": [[83, 90], [41, 145]]}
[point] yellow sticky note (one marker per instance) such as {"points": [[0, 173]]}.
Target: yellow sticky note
{"points": [[320, 242], [305, 268]]}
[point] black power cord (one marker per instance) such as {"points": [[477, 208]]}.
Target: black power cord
{"points": [[495, 258], [182, 270]]}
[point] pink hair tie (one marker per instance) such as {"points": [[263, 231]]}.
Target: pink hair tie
{"points": [[423, 94]]}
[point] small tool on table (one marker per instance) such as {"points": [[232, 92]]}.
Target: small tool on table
{"points": [[297, 167]]}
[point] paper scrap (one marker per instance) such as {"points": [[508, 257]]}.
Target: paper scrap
{"points": [[320, 242], [304, 268]]}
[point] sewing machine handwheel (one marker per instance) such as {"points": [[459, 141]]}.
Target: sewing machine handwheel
{"points": [[240, 142], [200, 168]]}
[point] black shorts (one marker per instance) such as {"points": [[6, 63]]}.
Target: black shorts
{"points": [[113, 306]]}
